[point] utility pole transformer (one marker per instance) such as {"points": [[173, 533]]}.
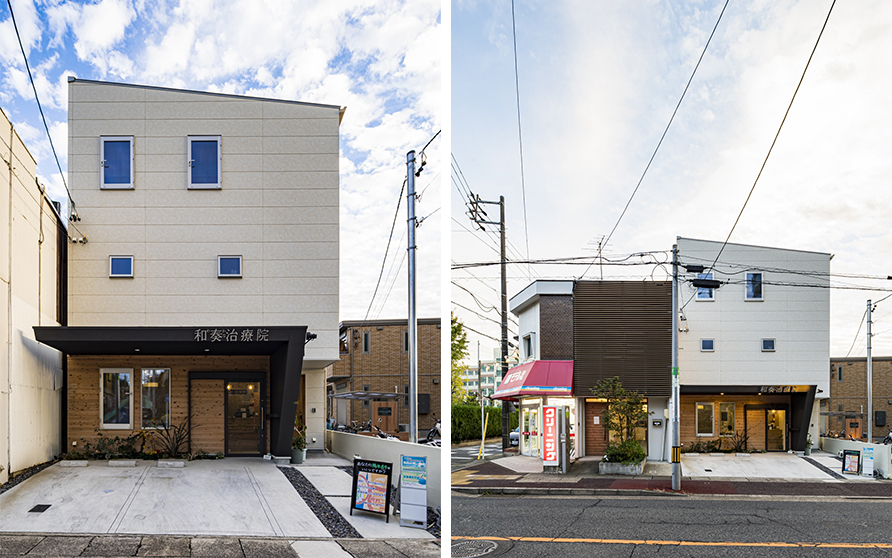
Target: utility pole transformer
{"points": [[413, 319]]}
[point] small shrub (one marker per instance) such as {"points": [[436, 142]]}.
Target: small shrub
{"points": [[628, 452], [697, 446], [740, 442], [714, 446], [171, 440]]}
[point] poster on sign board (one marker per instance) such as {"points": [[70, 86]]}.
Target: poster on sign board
{"points": [[867, 463], [851, 461], [371, 487], [549, 436]]}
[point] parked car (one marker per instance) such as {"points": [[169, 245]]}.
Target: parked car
{"points": [[515, 436]]}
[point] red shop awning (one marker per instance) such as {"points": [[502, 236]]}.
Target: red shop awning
{"points": [[539, 377]]}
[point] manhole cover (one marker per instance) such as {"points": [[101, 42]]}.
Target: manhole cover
{"points": [[472, 549]]}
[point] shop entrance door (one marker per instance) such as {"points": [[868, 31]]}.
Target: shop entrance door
{"points": [[776, 430], [245, 420], [595, 433], [529, 431]]}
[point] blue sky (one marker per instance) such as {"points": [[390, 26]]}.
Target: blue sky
{"points": [[598, 83], [379, 58]]}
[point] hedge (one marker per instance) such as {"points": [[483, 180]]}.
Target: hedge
{"points": [[466, 422]]}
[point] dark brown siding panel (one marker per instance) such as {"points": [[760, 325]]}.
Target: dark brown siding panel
{"points": [[556, 327], [623, 328]]}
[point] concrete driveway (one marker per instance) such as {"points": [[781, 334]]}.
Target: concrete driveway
{"points": [[233, 496]]}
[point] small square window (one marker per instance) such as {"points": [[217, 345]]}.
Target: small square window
{"points": [[229, 266], [754, 286], [120, 266], [767, 345], [116, 163], [205, 162], [707, 345], [705, 293]]}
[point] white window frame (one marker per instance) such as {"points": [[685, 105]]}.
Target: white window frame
{"points": [[529, 346], [711, 433], [733, 418], [703, 350], [142, 397], [120, 276], [746, 291], [711, 296], [189, 160], [773, 344], [102, 184], [102, 373], [221, 275]]}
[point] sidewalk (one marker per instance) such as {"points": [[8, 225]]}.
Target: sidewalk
{"points": [[720, 474]]}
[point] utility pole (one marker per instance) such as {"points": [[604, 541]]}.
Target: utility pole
{"points": [[869, 380], [413, 319], [478, 215], [674, 403], [480, 393]]}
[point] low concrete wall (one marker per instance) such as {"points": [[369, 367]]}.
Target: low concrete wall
{"points": [[882, 454], [369, 447]]}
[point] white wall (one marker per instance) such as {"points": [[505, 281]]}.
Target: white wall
{"points": [[528, 322], [371, 447], [797, 317], [30, 373], [278, 208], [882, 454]]}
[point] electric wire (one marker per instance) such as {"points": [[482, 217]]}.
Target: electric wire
{"points": [[523, 189], [39, 107], [386, 250], [476, 300], [779, 128], [659, 143], [856, 333]]}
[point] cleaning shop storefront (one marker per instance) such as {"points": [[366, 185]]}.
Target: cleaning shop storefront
{"points": [[533, 386], [239, 389]]}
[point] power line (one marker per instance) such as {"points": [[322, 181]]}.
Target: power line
{"points": [[473, 296], [39, 107], [659, 143], [856, 333], [386, 250], [779, 128], [482, 316], [523, 190]]}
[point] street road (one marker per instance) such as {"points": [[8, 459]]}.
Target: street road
{"points": [[671, 526], [467, 454]]}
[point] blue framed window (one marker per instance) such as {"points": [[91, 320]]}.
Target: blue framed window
{"points": [[116, 164], [707, 345], [229, 266], [754, 285], [120, 266], [705, 293], [205, 162]]}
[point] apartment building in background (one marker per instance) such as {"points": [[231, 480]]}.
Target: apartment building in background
{"points": [[203, 281], [371, 379], [33, 244], [848, 397]]}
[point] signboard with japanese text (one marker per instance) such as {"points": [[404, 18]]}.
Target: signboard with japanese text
{"points": [[550, 436], [371, 487], [851, 461], [230, 335], [867, 463], [413, 491]]}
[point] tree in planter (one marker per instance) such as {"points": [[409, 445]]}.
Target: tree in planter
{"points": [[300, 439], [624, 410]]}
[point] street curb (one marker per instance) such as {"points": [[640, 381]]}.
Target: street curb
{"points": [[508, 491]]}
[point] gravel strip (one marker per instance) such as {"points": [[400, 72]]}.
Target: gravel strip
{"points": [[25, 475], [333, 521]]}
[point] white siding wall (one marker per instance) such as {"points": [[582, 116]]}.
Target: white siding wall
{"points": [[528, 322], [797, 317], [30, 373]]}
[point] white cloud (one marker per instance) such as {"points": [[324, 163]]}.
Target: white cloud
{"points": [[28, 23], [100, 27]]}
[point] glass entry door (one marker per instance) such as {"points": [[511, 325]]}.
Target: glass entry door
{"points": [[529, 431], [776, 434], [245, 421]]}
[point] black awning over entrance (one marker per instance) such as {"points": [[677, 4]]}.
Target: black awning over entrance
{"points": [[284, 346]]}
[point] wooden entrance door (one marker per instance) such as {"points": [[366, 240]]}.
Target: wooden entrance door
{"points": [[595, 434]]}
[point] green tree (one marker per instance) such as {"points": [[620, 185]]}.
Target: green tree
{"points": [[459, 352], [624, 410]]}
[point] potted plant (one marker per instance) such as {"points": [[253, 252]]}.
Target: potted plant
{"points": [[299, 445], [808, 444]]}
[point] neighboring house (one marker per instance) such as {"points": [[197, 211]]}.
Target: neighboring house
{"points": [[752, 353], [371, 379], [209, 260], [33, 242], [848, 396]]}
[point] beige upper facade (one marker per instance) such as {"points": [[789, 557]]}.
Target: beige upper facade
{"points": [[275, 206], [31, 381]]}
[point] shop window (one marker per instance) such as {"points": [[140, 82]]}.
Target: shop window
{"points": [[705, 419], [205, 162], [705, 293], [116, 166], [707, 345], [117, 398], [120, 266], [754, 285], [155, 397], [726, 419]]}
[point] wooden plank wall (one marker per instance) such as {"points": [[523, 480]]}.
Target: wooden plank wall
{"points": [[756, 429], [208, 424], [84, 394]]}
